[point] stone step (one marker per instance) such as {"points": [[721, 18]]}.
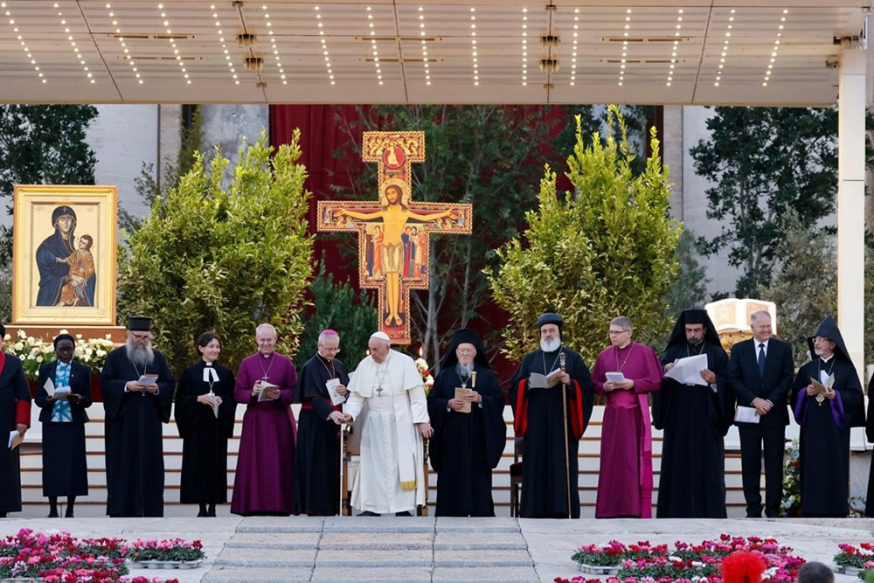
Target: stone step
{"points": [[226, 574], [272, 540], [321, 574], [374, 549], [267, 558]]}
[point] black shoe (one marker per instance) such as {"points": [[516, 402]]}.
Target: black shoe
{"points": [[68, 514], [52, 515], [368, 513], [406, 513]]}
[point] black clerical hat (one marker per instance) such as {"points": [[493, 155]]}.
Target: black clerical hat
{"points": [[550, 318], [464, 336], [139, 324], [828, 328], [694, 316]]}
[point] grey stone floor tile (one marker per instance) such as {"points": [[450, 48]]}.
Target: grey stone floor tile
{"points": [[275, 540], [220, 574], [266, 558], [379, 524], [375, 558], [281, 524], [482, 558], [450, 524], [480, 540], [324, 574], [482, 575], [376, 541]]}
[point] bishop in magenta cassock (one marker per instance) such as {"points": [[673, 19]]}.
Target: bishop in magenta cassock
{"points": [[266, 382], [625, 479]]}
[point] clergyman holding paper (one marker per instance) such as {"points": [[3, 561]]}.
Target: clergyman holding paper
{"points": [[625, 374], [695, 419], [137, 388], [549, 478], [827, 400]]}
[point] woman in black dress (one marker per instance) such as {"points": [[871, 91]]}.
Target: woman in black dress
{"points": [[63, 418], [204, 432]]}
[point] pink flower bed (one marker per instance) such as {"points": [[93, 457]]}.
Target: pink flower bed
{"points": [[61, 558], [685, 563]]}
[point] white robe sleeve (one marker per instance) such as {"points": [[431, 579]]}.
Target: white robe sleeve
{"points": [[419, 404]]}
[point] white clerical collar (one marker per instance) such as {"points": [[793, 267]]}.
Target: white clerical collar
{"points": [[824, 359]]}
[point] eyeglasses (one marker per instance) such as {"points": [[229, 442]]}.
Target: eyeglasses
{"points": [[334, 350], [141, 337], [617, 332]]}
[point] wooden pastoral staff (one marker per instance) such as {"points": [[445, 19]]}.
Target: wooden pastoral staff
{"points": [[393, 250], [394, 233]]}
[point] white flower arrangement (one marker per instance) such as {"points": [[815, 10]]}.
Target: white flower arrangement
{"points": [[32, 351]]}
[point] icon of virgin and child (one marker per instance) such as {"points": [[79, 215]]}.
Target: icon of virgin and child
{"points": [[66, 269]]}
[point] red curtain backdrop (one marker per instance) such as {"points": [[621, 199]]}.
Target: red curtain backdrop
{"points": [[321, 136]]}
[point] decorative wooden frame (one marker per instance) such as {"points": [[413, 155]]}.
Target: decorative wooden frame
{"points": [[96, 211]]}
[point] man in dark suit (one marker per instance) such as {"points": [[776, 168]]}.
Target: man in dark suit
{"points": [[760, 374]]}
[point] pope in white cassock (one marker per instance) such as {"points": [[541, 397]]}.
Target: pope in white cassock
{"points": [[391, 475]]}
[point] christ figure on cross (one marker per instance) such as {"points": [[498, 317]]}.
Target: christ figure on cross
{"points": [[395, 213]]}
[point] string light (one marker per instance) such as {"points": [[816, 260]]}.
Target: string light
{"points": [[524, 47], [20, 38], [425, 62], [473, 48], [624, 58], [773, 58], [325, 52], [223, 42], [574, 37], [166, 22]]}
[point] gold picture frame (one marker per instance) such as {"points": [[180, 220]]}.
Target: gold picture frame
{"points": [[56, 282]]}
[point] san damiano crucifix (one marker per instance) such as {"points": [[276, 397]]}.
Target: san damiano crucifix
{"points": [[394, 233]]}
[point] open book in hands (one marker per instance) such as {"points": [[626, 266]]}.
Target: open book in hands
{"points": [[821, 390], [262, 396], [539, 381]]}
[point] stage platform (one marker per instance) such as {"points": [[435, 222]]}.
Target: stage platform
{"points": [[428, 549]]}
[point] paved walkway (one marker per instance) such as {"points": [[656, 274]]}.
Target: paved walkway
{"points": [[427, 549]]}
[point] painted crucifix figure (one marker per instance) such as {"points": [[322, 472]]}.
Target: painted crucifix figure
{"points": [[393, 242]]}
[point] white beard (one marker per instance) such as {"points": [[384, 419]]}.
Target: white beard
{"points": [[550, 345], [140, 356], [464, 370]]}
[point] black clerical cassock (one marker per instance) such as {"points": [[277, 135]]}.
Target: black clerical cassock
{"points": [[134, 444], [695, 420], [466, 447], [824, 444], [539, 419], [317, 489]]}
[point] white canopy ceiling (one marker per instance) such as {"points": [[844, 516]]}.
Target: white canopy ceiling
{"points": [[692, 52]]}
